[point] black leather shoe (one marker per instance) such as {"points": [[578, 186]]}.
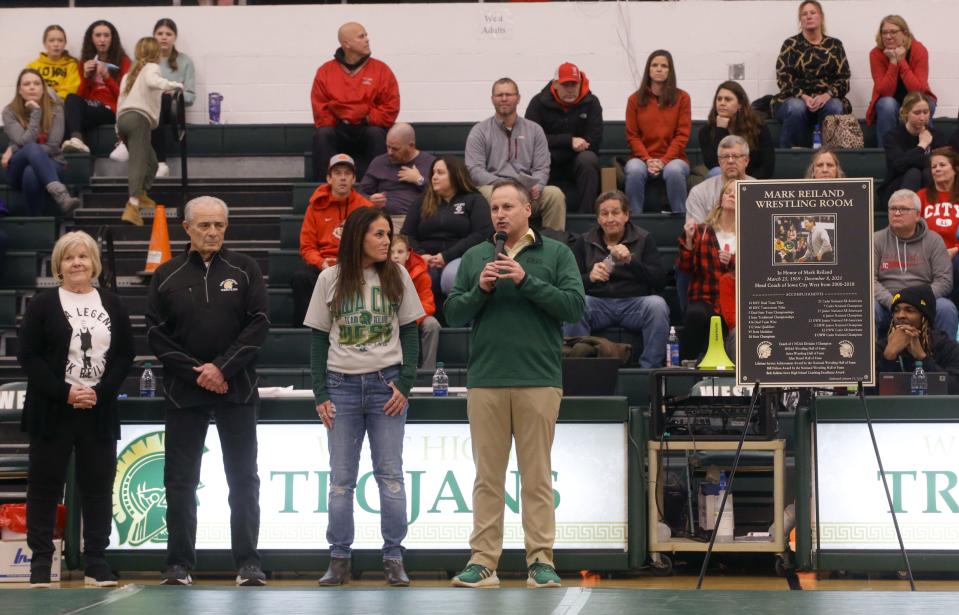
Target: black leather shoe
{"points": [[395, 573], [338, 573]]}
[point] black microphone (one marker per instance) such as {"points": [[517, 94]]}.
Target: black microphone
{"points": [[500, 242]]}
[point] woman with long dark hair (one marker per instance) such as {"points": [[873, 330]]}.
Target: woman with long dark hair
{"points": [[658, 123], [450, 218], [33, 123], [174, 66], [76, 347], [364, 352], [731, 114], [103, 63]]}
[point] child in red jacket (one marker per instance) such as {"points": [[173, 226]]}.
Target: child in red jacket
{"points": [[429, 327]]}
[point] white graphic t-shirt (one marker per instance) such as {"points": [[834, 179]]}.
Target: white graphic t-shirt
{"points": [[366, 336], [90, 339]]}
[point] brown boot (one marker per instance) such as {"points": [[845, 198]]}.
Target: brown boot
{"points": [[338, 573], [131, 214], [145, 201], [395, 573]]}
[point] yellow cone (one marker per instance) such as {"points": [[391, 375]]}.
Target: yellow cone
{"points": [[716, 357]]}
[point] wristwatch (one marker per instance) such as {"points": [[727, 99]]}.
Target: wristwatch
{"points": [[421, 181]]}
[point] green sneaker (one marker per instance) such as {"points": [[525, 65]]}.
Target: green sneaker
{"points": [[542, 575], [475, 575]]}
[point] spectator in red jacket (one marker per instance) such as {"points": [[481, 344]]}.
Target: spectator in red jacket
{"points": [[103, 63], [658, 123], [322, 228], [355, 100], [900, 65], [706, 252], [429, 327]]}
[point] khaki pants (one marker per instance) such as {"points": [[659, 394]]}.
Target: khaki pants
{"points": [[496, 416], [550, 208]]}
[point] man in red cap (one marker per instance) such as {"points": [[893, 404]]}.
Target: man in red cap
{"points": [[572, 119], [322, 228]]}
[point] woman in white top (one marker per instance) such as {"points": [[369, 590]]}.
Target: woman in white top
{"points": [[76, 347], [138, 113], [363, 355]]}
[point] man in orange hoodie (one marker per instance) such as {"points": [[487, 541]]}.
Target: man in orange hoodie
{"points": [[572, 119], [429, 327], [322, 227]]}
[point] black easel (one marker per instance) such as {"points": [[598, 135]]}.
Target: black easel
{"points": [[729, 486]]}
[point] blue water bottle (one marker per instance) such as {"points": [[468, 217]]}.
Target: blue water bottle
{"points": [[816, 137], [441, 382]]}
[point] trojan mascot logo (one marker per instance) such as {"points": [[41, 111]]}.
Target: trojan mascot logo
{"points": [[139, 498]]}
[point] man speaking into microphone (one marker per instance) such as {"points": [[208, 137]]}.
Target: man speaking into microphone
{"points": [[517, 291]]}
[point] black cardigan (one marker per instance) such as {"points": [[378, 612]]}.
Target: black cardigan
{"points": [[44, 345]]}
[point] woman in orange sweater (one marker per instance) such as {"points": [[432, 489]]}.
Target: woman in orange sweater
{"points": [[658, 123]]}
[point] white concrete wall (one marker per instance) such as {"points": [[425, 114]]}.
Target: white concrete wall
{"points": [[262, 59]]}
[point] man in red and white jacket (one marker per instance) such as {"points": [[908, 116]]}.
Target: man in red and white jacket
{"points": [[355, 99]]}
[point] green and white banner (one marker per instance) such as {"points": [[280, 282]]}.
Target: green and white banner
{"points": [[589, 489], [922, 473]]}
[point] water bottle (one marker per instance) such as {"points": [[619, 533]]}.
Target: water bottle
{"points": [[816, 137], [214, 105], [148, 384], [441, 382], [609, 263], [672, 349], [722, 482], [919, 383]]}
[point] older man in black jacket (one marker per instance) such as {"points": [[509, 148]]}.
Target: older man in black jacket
{"points": [[622, 270], [572, 119], [206, 320]]}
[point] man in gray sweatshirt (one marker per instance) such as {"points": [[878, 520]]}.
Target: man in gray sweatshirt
{"points": [[507, 146], [907, 254]]}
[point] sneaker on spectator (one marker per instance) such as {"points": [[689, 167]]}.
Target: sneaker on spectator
{"points": [[542, 575], [250, 576], [163, 170], [40, 577], [476, 575], [75, 144], [120, 153], [177, 575], [98, 574]]}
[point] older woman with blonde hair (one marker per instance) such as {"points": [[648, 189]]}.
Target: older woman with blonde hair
{"points": [[899, 65], [76, 347], [824, 164]]}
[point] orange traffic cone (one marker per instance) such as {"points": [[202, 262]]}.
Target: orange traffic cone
{"points": [[159, 250]]}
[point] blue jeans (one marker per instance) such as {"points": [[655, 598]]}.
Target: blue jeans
{"points": [[798, 121], [947, 318], [887, 116], [713, 172], [647, 315], [30, 170], [675, 174], [359, 401], [449, 275]]}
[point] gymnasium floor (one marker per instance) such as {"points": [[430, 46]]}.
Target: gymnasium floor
{"points": [[288, 594]]}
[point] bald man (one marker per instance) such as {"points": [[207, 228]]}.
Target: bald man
{"points": [[355, 100], [395, 180]]}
